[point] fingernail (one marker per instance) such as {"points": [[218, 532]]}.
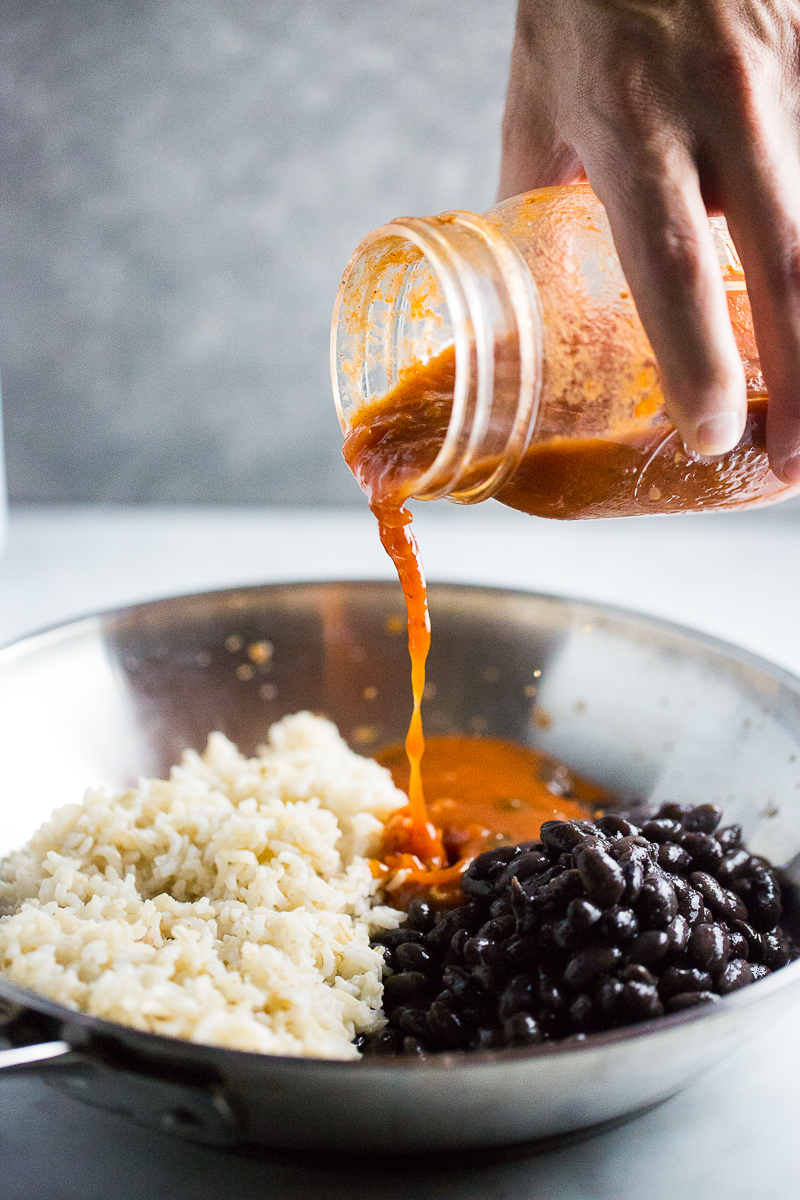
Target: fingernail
{"points": [[719, 433], [790, 471]]}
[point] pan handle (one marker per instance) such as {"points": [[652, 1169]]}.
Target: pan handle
{"points": [[193, 1110], [26, 1056]]}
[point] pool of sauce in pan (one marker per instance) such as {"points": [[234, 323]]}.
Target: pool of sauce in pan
{"points": [[479, 793]]}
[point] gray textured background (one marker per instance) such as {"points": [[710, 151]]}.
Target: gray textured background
{"points": [[181, 184]]}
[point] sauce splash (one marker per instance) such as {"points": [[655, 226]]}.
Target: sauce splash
{"points": [[421, 837]]}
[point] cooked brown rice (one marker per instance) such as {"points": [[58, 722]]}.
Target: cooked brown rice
{"points": [[231, 904]]}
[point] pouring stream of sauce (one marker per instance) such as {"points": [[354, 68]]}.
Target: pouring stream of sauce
{"points": [[486, 791]]}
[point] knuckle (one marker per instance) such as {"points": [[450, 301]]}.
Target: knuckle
{"points": [[675, 259], [727, 67], [631, 97]]}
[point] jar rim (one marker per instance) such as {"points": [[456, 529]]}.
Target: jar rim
{"points": [[453, 473]]}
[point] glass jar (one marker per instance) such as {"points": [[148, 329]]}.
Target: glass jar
{"points": [[502, 356]]}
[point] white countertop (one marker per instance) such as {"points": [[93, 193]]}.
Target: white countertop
{"points": [[731, 1136]]}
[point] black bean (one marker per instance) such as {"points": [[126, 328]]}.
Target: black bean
{"points": [[586, 965], [488, 977], [488, 1038], [678, 932], [682, 888], [759, 971], [498, 928], [521, 953], [705, 850], [385, 1043], [721, 902], [482, 865], [463, 987], [494, 958], [730, 837], [633, 846], [616, 925], [421, 915], [414, 1022], [560, 890], [480, 888], [397, 937], [661, 830], [636, 973], [616, 827], [776, 952], [413, 1046], [688, 1000], [446, 926], [582, 915], [561, 835], [740, 947], [764, 903], [733, 864], [657, 903], [738, 973], [411, 989], [703, 819], [581, 1012], [674, 812], [641, 1001], [501, 907], [523, 906], [413, 957], [691, 906], [525, 847], [521, 1029], [524, 867], [648, 947], [709, 947], [600, 875], [518, 996], [550, 994], [455, 951], [609, 1000], [447, 1026], [753, 939], [676, 981], [635, 872], [472, 949], [673, 857]]}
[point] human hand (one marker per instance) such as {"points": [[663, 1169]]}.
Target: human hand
{"points": [[673, 108]]}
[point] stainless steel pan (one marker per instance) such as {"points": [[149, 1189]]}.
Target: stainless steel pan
{"points": [[639, 706]]}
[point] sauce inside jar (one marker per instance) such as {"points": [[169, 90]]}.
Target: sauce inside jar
{"points": [[642, 468]]}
